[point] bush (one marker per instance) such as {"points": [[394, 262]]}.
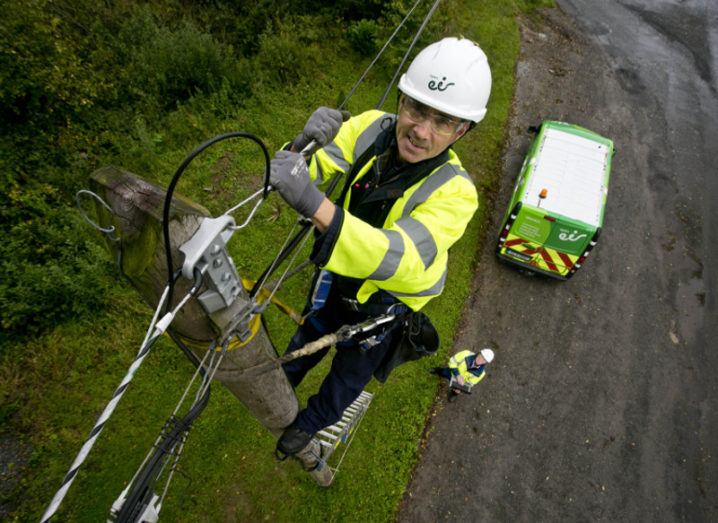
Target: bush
{"points": [[349, 9], [167, 66], [362, 36], [285, 50], [44, 81], [52, 269]]}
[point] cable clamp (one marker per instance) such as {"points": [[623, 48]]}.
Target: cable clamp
{"points": [[207, 252]]}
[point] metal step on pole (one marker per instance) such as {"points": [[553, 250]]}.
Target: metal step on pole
{"points": [[342, 431]]}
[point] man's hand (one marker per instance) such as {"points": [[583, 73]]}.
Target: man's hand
{"points": [[289, 174], [322, 126]]}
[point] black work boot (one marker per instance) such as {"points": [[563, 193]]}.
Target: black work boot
{"points": [[293, 440], [453, 395], [435, 371]]}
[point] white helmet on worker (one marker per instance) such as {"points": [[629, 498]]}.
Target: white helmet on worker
{"points": [[451, 76], [488, 355]]}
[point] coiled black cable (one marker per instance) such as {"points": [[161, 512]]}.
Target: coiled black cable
{"points": [[175, 180]]}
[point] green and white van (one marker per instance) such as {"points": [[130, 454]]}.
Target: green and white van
{"points": [[558, 203]]}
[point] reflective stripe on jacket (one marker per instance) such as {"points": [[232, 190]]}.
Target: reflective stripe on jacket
{"points": [[408, 256], [459, 362]]}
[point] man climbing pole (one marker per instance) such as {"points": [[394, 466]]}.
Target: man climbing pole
{"points": [[383, 247]]}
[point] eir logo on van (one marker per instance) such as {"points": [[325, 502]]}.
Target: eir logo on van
{"points": [[570, 237]]}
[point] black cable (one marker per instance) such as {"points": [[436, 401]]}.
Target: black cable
{"points": [[175, 180], [284, 253], [191, 356], [141, 493]]}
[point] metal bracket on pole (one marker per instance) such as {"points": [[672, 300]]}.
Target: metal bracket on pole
{"points": [[207, 251]]}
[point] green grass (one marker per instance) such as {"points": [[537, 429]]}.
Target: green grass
{"points": [[54, 386]]}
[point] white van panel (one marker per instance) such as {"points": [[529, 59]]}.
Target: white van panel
{"points": [[572, 170]]}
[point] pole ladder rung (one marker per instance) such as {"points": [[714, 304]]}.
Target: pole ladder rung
{"points": [[325, 443], [332, 437]]}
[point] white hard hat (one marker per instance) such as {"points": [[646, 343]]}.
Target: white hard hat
{"points": [[488, 355], [451, 76]]}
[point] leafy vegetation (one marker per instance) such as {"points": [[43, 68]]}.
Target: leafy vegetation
{"points": [[85, 84]]}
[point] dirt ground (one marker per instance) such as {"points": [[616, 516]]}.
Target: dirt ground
{"points": [[599, 405]]}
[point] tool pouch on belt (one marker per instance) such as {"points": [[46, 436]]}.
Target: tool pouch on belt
{"points": [[418, 339]]}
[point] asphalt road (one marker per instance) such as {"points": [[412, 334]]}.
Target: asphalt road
{"points": [[601, 403]]}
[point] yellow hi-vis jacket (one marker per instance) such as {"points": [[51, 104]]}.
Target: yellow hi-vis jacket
{"points": [[408, 256], [459, 363]]}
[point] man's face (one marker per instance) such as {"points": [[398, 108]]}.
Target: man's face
{"points": [[422, 132], [479, 360]]}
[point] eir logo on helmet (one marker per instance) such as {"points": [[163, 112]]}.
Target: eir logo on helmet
{"points": [[440, 85], [451, 76]]}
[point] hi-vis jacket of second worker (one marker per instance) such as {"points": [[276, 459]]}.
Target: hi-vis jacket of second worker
{"points": [[462, 364], [407, 255]]}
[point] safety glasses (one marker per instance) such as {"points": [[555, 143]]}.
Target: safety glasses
{"points": [[417, 112]]}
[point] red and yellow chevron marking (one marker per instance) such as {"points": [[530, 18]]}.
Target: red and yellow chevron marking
{"points": [[547, 259]]}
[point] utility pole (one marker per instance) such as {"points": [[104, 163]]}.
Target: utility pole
{"points": [[137, 217]]}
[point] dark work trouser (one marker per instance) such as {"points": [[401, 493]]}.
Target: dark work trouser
{"points": [[444, 372], [351, 370]]}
